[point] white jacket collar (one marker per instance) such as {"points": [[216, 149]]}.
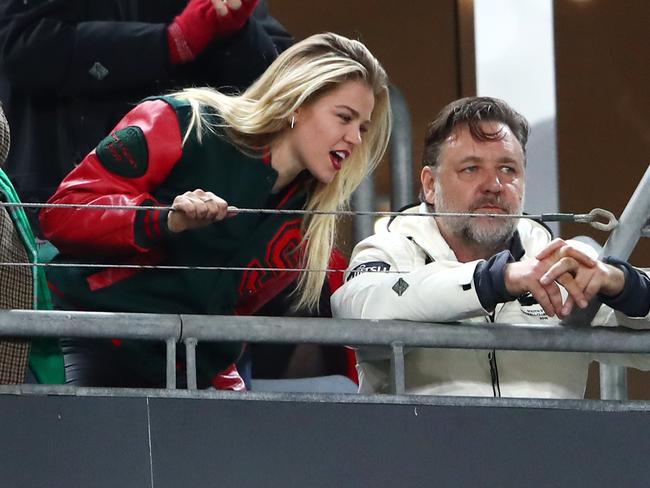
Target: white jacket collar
{"points": [[425, 233]]}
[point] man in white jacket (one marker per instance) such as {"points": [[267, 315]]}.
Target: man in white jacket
{"points": [[481, 269]]}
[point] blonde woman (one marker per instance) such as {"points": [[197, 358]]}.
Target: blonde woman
{"points": [[301, 137]]}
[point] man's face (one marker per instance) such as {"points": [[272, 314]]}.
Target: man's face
{"points": [[477, 177]]}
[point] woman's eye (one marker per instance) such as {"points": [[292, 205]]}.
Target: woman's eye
{"points": [[345, 117]]}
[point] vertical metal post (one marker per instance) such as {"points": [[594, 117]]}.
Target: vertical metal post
{"points": [[401, 150], [190, 362], [397, 368], [624, 237], [613, 382], [363, 200], [171, 363], [35, 296], [621, 242], [401, 168]]}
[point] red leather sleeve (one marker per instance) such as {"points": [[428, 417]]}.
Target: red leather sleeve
{"points": [[96, 231]]}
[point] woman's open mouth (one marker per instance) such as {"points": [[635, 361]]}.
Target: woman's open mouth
{"points": [[337, 157]]}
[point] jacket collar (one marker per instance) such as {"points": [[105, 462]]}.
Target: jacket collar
{"points": [[528, 240]]}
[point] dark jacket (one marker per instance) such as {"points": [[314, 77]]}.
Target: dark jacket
{"points": [[70, 69], [143, 163]]}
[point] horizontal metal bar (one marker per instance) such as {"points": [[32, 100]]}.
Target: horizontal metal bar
{"points": [[323, 331], [386, 332], [211, 394], [21, 323]]}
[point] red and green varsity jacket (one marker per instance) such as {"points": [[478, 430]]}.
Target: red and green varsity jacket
{"points": [[143, 162]]}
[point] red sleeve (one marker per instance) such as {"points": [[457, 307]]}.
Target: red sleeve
{"points": [[124, 169], [335, 280]]}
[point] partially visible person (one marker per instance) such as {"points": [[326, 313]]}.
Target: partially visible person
{"points": [[475, 269], [303, 136], [22, 287], [71, 69]]}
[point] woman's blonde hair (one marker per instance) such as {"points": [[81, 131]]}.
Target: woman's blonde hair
{"points": [[255, 118]]}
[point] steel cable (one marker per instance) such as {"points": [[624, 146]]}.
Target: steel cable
{"points": [[592, 218]]}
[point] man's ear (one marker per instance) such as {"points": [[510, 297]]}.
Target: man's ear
{"points": [[427, 178]]}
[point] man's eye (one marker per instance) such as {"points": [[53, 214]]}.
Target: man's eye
{"points": [[470, 169], [508, 169]]}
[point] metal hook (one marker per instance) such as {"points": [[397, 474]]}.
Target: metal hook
{"points": [[599, 213]]}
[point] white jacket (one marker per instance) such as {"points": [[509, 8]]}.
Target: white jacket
{"points": [[443, 290]]}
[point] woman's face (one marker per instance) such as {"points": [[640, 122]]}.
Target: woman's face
{"points": [[327, 130]]}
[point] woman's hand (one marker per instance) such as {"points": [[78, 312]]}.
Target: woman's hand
{"points": [[196, 209]]}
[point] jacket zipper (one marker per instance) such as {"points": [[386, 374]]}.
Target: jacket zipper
{"points": [[494, 367]]}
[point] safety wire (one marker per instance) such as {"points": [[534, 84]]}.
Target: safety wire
{"points": [[598, 218]]}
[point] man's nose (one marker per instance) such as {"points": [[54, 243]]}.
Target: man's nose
{"points": [[492, 182]]}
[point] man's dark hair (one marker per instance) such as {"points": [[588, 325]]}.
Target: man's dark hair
{"points": [[472, 111]]}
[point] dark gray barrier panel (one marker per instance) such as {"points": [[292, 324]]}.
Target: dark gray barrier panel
{"points": [[312, 441], [73, 442]]}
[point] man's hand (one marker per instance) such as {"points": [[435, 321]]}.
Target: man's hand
{"points": [[201, 22], [564, 259], [600, 278], [195, 209]]}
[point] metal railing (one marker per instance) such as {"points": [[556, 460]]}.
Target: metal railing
{"points": [[401, 152], [398, 335], [401, 169], [633, 224]]}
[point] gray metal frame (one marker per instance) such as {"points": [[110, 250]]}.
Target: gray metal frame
{"points": [[633, 224], [191, 329], [401, 170], [401, 155]]}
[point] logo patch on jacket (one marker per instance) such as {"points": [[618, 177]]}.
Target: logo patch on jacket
{"points": [[400, 287], [372, 266], [529, 306], [125, 152]]}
